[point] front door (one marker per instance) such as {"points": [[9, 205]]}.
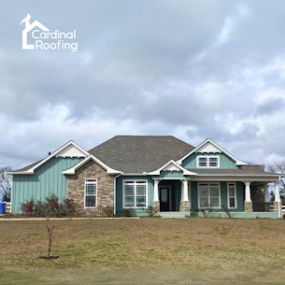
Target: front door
{"points": [[165, 198]]}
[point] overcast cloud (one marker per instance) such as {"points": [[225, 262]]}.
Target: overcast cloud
{"points": [[193, 69]]}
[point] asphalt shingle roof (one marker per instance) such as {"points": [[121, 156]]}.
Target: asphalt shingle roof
{"points": [[138, 154]]}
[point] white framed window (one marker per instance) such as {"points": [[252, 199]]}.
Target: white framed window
{"points": [[232, 195], [208, 161], [209, 195], [134, 193], [90, 193]]}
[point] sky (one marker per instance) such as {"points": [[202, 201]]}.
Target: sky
{"points": [[192, 69]]}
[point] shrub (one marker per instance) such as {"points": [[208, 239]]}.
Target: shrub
{"points": [[28, 208], [40, 209], [50, 207], [152, 211], [127, 213]]}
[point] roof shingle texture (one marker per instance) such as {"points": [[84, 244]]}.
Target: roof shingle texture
{"points": [[138, 154]]}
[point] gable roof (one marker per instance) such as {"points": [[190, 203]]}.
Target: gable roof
{"points": [[32, 167], [139, 154], [209, 141], [73, 169], [172, 165]]}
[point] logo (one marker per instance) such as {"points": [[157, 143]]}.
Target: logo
{"points": [[36, 36]]}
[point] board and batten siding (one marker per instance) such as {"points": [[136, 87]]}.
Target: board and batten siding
{"points": [[46, 181], [119, 194], [224, 196], [225, 162]]}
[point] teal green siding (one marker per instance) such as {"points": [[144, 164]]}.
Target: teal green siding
{"points": [[119, 194], [47, 180], [172, 174], [225, 161], [224, 196], [176, 194]]}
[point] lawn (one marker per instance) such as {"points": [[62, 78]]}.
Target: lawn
{"points": [[145, 251]]}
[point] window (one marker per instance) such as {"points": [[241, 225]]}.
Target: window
{"points": [[208, 161], [232, 196], [90, 193], [213, 161], [134, 194], [209, 195], [203, 161]]}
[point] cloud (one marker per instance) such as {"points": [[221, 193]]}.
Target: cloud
{"points": [[193, 69]]}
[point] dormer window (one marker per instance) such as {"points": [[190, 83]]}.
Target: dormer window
{"points": [[213, 161], [202, 161], [208, 161]]}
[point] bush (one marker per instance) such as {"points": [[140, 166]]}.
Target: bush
{"points": [[50, 207], [40, 209], [127, 213], [28, 208]]}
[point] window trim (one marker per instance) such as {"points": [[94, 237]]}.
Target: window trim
{"points": [[85, 183], [198, 192], [228, 195], [208, 161], [146, 193]]}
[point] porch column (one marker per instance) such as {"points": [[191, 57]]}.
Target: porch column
{"points": [[247, 202], [266, 199], [277, 200], [155, 204], [184, 202]]}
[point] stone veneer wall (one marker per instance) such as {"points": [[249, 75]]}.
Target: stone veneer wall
{"points": [[105, 189]]}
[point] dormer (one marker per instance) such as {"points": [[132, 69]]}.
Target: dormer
{"points": [[210, 155]]}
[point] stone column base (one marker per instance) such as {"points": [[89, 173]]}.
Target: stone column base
{"points": [[156, 206], [248, 207], [267, 206], [277, 206], [184, 206]]}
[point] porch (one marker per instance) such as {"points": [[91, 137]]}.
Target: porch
{"points": [[226, 198]]}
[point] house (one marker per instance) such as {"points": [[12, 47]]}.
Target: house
{"points": [[136, 173]]}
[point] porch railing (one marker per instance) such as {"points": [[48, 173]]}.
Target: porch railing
{"points": [[282, 208]]}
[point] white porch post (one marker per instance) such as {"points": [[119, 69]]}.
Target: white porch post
{"points": [[156, 203], [185, 196], [266, 195], [277, 193], [247, 191], [267, 203], [277, 200], [247, 202], [155, 191], [184, 202]]}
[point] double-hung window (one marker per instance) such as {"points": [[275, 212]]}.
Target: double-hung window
{"points": [[134, 193], [90, 193], [209, 195], [205, 161], [232, 196]]}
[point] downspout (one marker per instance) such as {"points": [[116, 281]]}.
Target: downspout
{"points": [[115, 188], [11, 196]]}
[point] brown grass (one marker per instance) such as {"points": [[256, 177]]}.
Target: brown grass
{"points": [[168, 250]]}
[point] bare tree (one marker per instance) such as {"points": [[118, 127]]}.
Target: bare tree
{"points": [[5, 183], [278, 168]]}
